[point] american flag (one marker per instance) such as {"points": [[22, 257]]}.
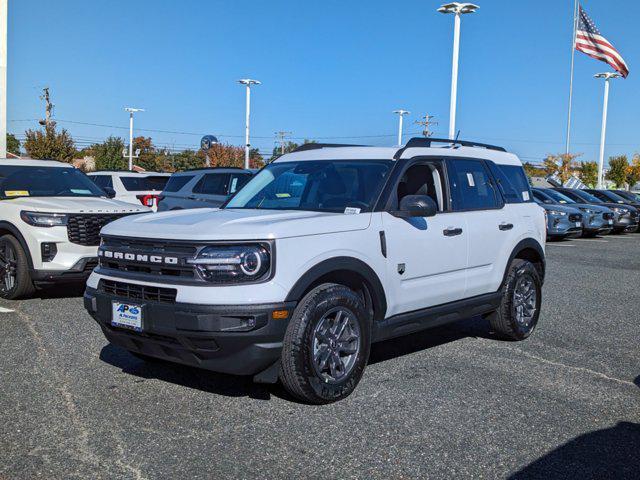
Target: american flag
{"points": [[590, 41]]}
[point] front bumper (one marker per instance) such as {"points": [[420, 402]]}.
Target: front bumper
{"points": [[79, 272], [189, 334]]}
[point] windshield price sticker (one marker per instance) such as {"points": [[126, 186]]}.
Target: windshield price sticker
{"points": [[525, 196], [351, 211]]}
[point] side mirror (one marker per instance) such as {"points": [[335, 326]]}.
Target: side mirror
{"points": [[416, 206], [111, 193]]}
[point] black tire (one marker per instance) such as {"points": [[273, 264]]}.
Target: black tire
{"points": [[14, 258], [299, 373], [504, 321]]}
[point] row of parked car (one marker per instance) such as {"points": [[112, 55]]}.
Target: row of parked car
{"points": [[573, 212]]}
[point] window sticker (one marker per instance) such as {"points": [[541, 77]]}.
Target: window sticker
{"points": [[283, 195], [470, 179], [525, 196], [234, 184], [80, 191], [351, 211], [16, 193]]}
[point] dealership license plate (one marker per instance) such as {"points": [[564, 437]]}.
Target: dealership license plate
{"points": [[610, 222], [128, 316], [578, 224]]}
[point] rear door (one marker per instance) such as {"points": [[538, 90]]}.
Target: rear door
{"points": [[426, 257], [491, 226]]}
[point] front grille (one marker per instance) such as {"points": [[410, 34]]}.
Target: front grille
{"points": [[137, 292], [607, 215], [149, 248], [634, 215], [84, 229], [575, 217]]}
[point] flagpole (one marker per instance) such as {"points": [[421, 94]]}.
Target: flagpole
{"points": [[573, 56]]}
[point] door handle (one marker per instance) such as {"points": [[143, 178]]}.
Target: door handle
{"points": [[505, 226], [452, 232]]}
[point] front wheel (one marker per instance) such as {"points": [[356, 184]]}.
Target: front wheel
{"points": [[519, 310], [326, 345], [15, 281]]}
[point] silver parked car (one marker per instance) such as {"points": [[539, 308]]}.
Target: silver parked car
{"points": [[202, 188]]}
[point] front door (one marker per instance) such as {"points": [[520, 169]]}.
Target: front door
{"points": [[426, 257]]}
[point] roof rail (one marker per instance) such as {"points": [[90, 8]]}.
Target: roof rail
{"points": [[316, 146], [212, 168], [426, 143]]}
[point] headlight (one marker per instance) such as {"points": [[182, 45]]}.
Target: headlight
{"points": [[620, 210], [555, 212], [587, 210], [44, 219], [234, 263]]}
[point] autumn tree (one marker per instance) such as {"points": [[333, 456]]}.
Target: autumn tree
{"points": [[49, 144], [618, 169], [225, 155], [533, 171], [13, 144], [181, 161], [147, 156], [589, 174], [108, 154], [563, 165], [633, 171]]}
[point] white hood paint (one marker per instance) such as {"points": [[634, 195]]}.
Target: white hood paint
{"points": [[235, 224], [75, 205]]}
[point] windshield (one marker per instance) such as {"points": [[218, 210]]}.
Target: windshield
{"points": [[586, 196], [634, 197], [558, 197], [326, 186], [28, 181]]}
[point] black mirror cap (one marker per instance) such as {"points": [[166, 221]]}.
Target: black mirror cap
{"points": [[111, 193], [416, 206]]}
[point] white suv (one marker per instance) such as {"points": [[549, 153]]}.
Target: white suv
{"points": [[50, 220], [139, 188], [323, 252]]}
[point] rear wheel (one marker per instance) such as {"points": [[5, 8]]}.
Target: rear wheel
{"points": [[15, 281], [326, 346], [518, 314]]}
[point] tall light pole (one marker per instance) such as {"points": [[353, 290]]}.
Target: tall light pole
{"points": [[131, 111], [3, 77], [247, 146], [458, 9], [401, 113], [603, 136]]}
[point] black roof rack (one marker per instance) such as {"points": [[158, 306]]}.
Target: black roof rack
{"points": [[316, 146], [426, 143]]}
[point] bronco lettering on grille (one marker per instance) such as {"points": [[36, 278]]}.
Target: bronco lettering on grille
{"points": [[138, 257]]}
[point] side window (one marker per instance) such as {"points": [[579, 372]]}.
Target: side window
{"points": [[471, 187], [512, 182], [540, 198], [422, 179], [102, 180], [212, 184], [237, 182]]}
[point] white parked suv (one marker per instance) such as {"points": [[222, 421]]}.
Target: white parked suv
{"points": [[139, 188], [50, 220], [323, 252]]}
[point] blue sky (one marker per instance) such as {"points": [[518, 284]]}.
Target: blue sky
{"points": [[329, 69]]}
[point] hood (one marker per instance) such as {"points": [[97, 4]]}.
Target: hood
{"points": [[235, 224], [559, 208], [76, 205], [592, 206]]}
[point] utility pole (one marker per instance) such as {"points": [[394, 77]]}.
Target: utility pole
{"points": [[458, 9], [247, 145], [281, 137], [401, 113], [426, 123], [131, 111], [48, 108], [4, 8], [603, 135]]}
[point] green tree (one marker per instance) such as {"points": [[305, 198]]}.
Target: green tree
{"points": [[49, 144], [148, 156], [181, 161], [13, 144], [533, 171], [108, 154], [589, 174], [618, 168]]}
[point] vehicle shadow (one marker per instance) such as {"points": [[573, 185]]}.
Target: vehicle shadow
{"points": [[190, 377], [60, 291], [237, 386], [608, 453]]}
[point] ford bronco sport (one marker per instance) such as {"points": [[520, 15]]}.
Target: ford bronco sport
{"points": [[325, 251]]}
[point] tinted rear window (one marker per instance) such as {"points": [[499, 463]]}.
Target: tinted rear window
{"points": [[513, 182], [102, 180], [139, 184], [176, 182]]}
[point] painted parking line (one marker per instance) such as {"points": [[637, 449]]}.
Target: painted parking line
{"points": [[559, 245], [624, 237], [6, 310], [590, 240]]}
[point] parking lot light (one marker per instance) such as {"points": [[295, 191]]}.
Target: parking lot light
{"points": [[603, 135]]}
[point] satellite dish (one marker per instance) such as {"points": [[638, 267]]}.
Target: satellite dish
{"points": [[207, 142]]}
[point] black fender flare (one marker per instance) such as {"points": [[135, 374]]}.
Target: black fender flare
{"points": [[351, 264], [527, 243], [4, 225]]}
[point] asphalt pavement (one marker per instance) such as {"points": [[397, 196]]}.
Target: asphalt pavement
{"points": [[453, 402]]}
